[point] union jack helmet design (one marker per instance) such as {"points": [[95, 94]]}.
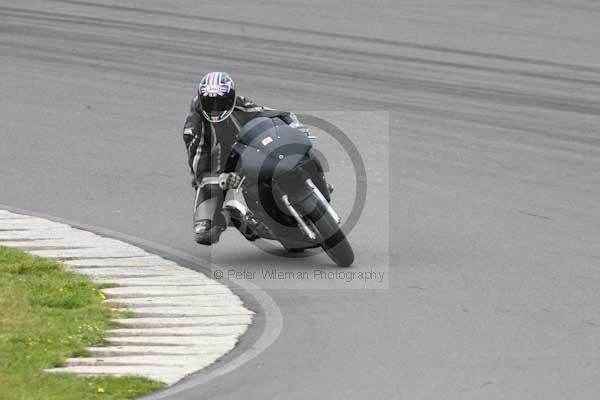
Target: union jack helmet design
{"points": [[216, 95]]}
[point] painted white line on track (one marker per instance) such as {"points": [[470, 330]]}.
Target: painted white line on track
{"points": [[182, 320]]}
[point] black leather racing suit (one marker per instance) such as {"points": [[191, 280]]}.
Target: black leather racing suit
{"points": [[209, 147]]}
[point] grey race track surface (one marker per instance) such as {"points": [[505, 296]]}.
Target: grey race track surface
{"points": [[495, 174]]}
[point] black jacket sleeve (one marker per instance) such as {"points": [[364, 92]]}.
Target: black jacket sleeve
{"points": [[202, 160], [192, 136], [197, 142]]}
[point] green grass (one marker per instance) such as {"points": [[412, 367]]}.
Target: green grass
{"points": [[47, 315]]}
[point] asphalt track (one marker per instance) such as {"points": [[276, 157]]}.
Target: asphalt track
{"points": [[493, 145]]}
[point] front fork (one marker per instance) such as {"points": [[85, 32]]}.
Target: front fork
{"points": [[301, 223], [314, 190], [320, 196], [319, 177]]}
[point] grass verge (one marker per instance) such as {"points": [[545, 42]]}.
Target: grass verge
{"points": [[47, 315]]}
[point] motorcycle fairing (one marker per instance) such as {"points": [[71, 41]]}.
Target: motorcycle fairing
{"points": [[268, 148]]}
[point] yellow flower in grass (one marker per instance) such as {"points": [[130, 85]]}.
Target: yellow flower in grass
{"points": [[100, 390]]}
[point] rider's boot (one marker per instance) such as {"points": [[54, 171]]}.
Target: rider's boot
{"points": [[241, 222]]}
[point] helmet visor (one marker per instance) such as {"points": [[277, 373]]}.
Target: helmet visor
{"points": [[217, 105]]}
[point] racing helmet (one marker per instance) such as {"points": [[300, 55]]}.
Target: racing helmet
{"points": [[216, 96]]}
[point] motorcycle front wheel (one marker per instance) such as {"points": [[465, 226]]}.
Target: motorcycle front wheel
{"points": [[333, 240]]}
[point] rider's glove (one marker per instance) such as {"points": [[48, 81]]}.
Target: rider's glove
{"points": [[229, 181], [292, 120], [304, 129]]}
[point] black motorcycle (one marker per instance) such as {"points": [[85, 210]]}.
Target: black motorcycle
{"points": [[283, 195]]}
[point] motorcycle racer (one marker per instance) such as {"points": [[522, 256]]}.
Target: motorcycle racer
{"points": [[211, 128]]}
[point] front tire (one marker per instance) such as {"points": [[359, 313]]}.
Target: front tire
{"points": [[333, 240], [295, 249]]}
